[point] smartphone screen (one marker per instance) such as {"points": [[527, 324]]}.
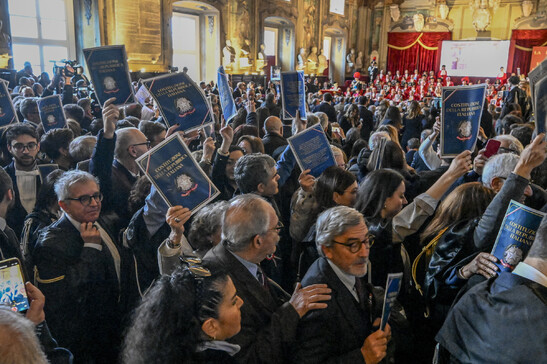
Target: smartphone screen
{"points": [[492, 148], [12, 286]]}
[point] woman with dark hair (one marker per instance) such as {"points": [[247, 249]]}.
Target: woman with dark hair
{"points": [[185, 318], [350, 119], [412, 123], [381, 198], [250, 144], [334, 187], [46, 211], [393, 117]]}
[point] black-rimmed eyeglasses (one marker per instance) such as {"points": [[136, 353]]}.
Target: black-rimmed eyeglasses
{"points": [[86, 199], [147, 143], [355, 245], [19, 147]]}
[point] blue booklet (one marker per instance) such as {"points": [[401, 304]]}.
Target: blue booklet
{"points": [[312, 150], [461, 111], [393, 285], [293, 94], [46, 169], [227, 103], [7, 111], [51, 112], [110, 73], [180, 101], [177, 176], [516, 235]]}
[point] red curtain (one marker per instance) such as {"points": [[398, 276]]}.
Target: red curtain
{"points": [[408, 51], [520, 50]]}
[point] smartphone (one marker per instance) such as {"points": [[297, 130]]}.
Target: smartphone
{"points": [[492, 147], [12, 286]]}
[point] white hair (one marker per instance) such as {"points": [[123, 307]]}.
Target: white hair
{"points": [[500, 165]]}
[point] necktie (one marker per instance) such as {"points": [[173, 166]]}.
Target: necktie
{"points": [[360, 292], [262, 277]]}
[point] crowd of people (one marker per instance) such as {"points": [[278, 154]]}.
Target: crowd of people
{"points": [[281, 267]]}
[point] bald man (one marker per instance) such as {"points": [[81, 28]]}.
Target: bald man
{"points": [[119, 149], [273, 126]]}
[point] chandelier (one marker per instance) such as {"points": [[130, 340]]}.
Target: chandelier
{"points": [[483, 11]]}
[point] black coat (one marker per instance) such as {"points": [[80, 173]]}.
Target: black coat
{"points": [[327, 109], [367, 120], [337, 333], [268, 322], [502, 320], [84, 303], [272, 141]]}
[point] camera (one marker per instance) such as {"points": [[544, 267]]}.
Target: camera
{"points": [[68, 69]]}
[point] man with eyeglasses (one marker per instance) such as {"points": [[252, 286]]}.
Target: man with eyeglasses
{"points": [[23, 145], [345, 331], [80, 270], [113, 161]]}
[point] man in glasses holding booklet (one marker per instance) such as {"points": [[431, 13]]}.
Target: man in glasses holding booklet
{"points": [[80, 270]]}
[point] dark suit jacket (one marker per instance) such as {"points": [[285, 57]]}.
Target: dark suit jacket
{"points": [[272, 142], [268, 323], [327, 109], [515, 96], [82, 292], [501, 320], [337, 333], [368, 122], [16, 215]]}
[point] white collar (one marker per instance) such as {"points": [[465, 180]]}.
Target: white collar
{"points": [[3, 224], [527, 271]]}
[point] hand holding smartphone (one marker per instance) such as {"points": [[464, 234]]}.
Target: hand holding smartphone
{"points": [[12, 286]]}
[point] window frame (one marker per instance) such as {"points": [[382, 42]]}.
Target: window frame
{"points": [[69, 43]]}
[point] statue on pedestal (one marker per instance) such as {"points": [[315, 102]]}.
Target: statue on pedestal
{"points": [[244, 54], [228, 55], [323, 64], [313, 60], [359, 62], [261, 58], [301, 59], [350, 61]]}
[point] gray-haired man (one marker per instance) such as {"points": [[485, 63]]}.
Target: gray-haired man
{"points": [[343, 332], [79, 270]]}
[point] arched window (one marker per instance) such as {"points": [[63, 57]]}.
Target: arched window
{"points": [[42, 32]]}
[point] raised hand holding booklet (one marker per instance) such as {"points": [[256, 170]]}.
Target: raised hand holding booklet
{"points": [[293, 94], [177, 176], [227, 103], [516, 235], [461, 112], [393, 285], [51, 112], [180, 101], [312, 150], [7, 111], [110, 73]]}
